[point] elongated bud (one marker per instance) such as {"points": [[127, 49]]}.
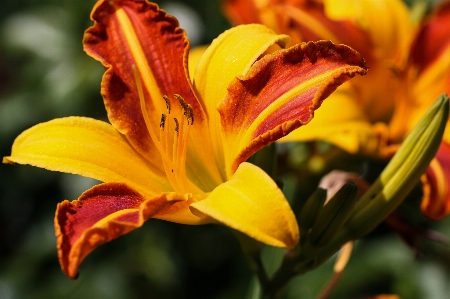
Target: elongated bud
{"points": [[393, 185], [403, 172], [334, 215], [311, 209]]}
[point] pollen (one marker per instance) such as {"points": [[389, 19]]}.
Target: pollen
{"points": [[189, 114], [177, 126], [162, 121], [166, 99]]}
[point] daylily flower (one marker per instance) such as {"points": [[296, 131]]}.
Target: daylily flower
{"points": [[409, 68], [176, 150]]}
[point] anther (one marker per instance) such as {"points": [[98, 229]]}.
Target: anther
{"points": [[182, 102], [163, 121], [189, 114], [166, 98], [177, 126]]}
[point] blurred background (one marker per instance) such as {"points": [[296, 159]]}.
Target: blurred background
{"points": [[44, 74]]}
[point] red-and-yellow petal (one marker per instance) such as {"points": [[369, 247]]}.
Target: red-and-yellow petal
{"points": [[436, 198], [100, 215], [90, 148], [129, 33], [280, 93], [252, 203]]}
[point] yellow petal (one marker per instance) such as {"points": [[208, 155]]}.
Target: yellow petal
{"points": [[230, 55], [194, 57], [251, 203], [387, 21], [89, 148]]}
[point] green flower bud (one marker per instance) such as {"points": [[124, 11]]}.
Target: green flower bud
{"points": [[403, 171], [310, 210], [333, 215]]}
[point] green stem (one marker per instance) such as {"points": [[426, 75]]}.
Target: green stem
{"points": [[274, 286]]}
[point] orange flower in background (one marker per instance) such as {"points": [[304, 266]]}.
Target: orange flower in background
{"points": [[176, 150], [409, 68]]}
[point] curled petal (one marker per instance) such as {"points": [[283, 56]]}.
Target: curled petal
{"points": [[251, 203], [436, 199], [100, 215], [280, 93]]}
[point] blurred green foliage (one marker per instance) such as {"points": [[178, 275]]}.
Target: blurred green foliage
{"points": [[44, 74]]}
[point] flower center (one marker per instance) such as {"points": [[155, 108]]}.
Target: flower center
{"points": [[173, 157]]}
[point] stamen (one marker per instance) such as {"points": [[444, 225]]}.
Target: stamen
{"points": [[174, 163], [182, 154], [163, 121], [169, 169], [189, 114], [182, 129], [182, 102], [155, 140], [177, 127], [167, 103], [175, 141]]}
